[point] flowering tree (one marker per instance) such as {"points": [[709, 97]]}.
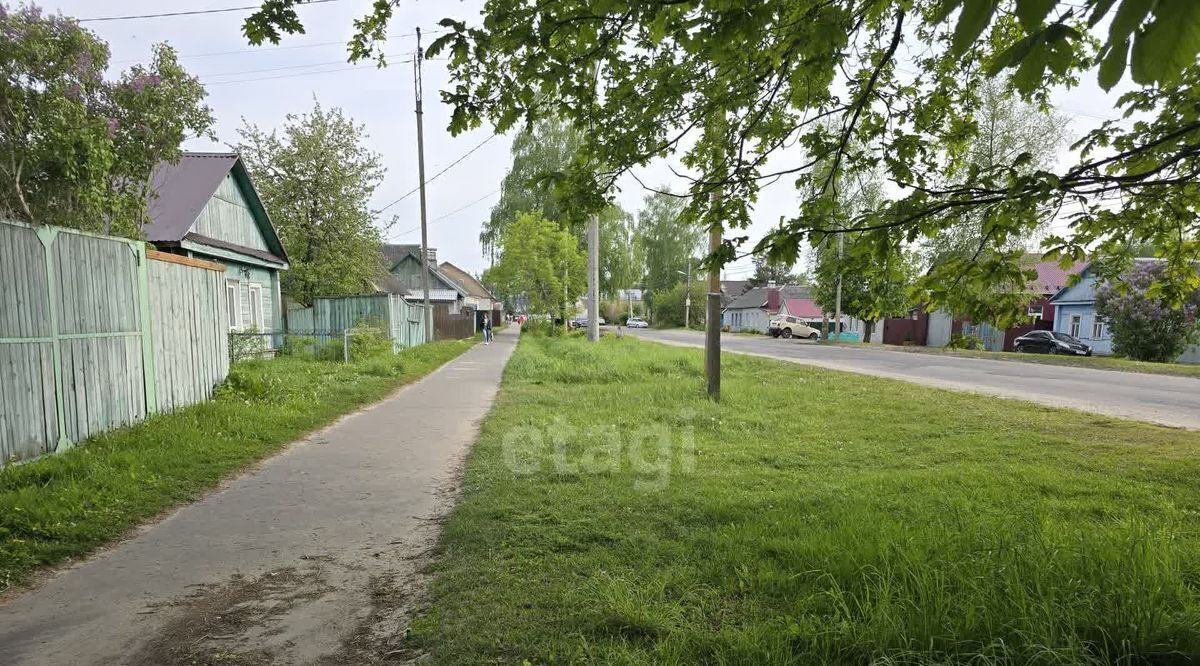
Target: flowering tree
{"points": [[1143, 325], [77, 150]]}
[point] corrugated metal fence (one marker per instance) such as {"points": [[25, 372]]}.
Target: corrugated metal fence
{"points": [[328, 317], [95, 333]]}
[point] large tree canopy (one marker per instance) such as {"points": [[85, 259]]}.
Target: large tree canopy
{"points": [[77, 150], [316, 176], [859, 85], [540, 265]]}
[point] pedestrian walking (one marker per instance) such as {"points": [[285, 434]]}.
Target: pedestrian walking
{"points": [[487, 330]]}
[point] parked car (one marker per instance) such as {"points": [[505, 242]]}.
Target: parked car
{"points": [[581, 321], [637, 322], [1051, 342], [791, 327]]}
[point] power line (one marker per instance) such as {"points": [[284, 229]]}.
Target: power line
{"points": [[451, 213], [295, 75], [189, 13], [435, 176], [277, 69], [271, 49]]}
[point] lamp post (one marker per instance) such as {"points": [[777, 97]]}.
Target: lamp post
{"points": [[687, 299]]}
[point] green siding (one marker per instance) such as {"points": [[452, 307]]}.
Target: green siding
{"points": [[264, 278], [228, 217]]}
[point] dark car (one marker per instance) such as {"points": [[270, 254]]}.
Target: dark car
{"points": [[1051, 342]]}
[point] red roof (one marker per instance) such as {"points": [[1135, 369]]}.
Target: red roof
{"points": [[1051, 277], [802, 307]]}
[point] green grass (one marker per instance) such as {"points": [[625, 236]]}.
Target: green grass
{"points": [[64, 506], [824, 518], [1095, 362]]}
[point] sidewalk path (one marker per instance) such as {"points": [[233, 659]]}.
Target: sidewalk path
{"points": [[311, 558]]}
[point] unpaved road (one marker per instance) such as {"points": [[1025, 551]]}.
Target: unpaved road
{"points": [[1172, 401], [312, 558]]}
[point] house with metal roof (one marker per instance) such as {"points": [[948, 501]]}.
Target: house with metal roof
{"points": [[205, 206]]}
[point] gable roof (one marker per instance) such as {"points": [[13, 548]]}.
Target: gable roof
{"points": [[182, 190], [1051, 278], [802, 307], [756, 297], [465, 280], [393, 254]]}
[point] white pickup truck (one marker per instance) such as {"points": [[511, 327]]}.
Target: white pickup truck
{"points": [[785, 326]]}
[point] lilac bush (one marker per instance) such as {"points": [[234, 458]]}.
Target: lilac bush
{"points": [[1144, 326]]}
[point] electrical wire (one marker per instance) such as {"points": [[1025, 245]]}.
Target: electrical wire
{"points": [[450, 214], [194, 12], [435, 176]]}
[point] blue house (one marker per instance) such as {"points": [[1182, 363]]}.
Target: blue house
{"points": [[206, 207], [1075, 314]]}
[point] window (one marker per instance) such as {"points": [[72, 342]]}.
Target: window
{"points": [[256, 306], [233, 303], [793, 320], [1098, 329], [1035, 311], [1076, 320]]}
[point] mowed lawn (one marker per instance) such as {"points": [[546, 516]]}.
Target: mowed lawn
{"points": [[813, 517]]}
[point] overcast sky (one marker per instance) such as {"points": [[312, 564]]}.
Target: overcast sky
{"points": [[262, 85]]}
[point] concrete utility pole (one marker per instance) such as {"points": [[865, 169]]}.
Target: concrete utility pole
{"points": [[421, 176], [593, 236], [687, 298]]}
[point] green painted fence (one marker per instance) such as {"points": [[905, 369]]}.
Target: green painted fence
{"points": [[93, 331], [330, 316]]}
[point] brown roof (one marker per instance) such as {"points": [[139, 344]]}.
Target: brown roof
{"points": [[465, 280]]}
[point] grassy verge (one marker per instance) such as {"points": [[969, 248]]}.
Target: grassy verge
{"points": [[65, 506], [1094, 362], [612, 515]]}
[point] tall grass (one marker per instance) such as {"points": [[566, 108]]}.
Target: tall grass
{"points": [[824, 518]]}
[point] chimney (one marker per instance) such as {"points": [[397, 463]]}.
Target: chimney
{"points": [[773, 300], [431, 256], [770, 284]]}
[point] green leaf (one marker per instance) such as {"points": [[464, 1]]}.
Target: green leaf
{"points": [[1112, 66], [1169, 43], [975, 17], [1014, 54], [1031, 13], [1129, 16]]}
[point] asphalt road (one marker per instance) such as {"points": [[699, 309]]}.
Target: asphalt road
{"points": [[1172, 401]]}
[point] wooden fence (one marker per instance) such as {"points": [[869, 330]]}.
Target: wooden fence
{"points": [[330, 316], [96, 333], [452, 326]]}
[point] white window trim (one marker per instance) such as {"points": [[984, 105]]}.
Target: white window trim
{"points": [[1074, 323], [1097, 329], [1036, 312], [256, 318], [235, 322]]}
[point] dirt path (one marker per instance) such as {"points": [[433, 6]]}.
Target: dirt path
{"points": [[313, 558]]}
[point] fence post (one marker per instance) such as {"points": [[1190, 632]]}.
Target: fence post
{"points": [[47, 235], [346, 345], [149, 378]]}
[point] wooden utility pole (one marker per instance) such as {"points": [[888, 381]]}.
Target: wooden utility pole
{"points": [[593, 308], [837, 322], [712, 330], [687, 297], [421, 177]]}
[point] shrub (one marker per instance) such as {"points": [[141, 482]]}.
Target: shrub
{"points": [[1144, 326], [970, 342], [670, 307], [300, 346]]}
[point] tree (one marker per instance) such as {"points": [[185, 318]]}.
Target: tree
{"points": [[1007, 128], [668, 242], [315, 176], [729, 86], [621, 261], [540, 264], [670, 307], [540, 153], [1144, 325], [873, 287], [768, 272], [77, 150]]}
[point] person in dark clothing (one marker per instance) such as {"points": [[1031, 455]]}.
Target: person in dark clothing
{"points": [[487, 330]]}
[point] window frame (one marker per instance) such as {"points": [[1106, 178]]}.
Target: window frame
{"points": [[254, 296], [1098, 328], [1037, 312], [1074, 323], [233, 307]]}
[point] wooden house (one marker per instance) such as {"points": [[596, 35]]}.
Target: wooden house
{"points": [[453, 313], [206, 207]]}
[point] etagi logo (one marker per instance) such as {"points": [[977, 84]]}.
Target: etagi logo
{"points": [[651, 453]]}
